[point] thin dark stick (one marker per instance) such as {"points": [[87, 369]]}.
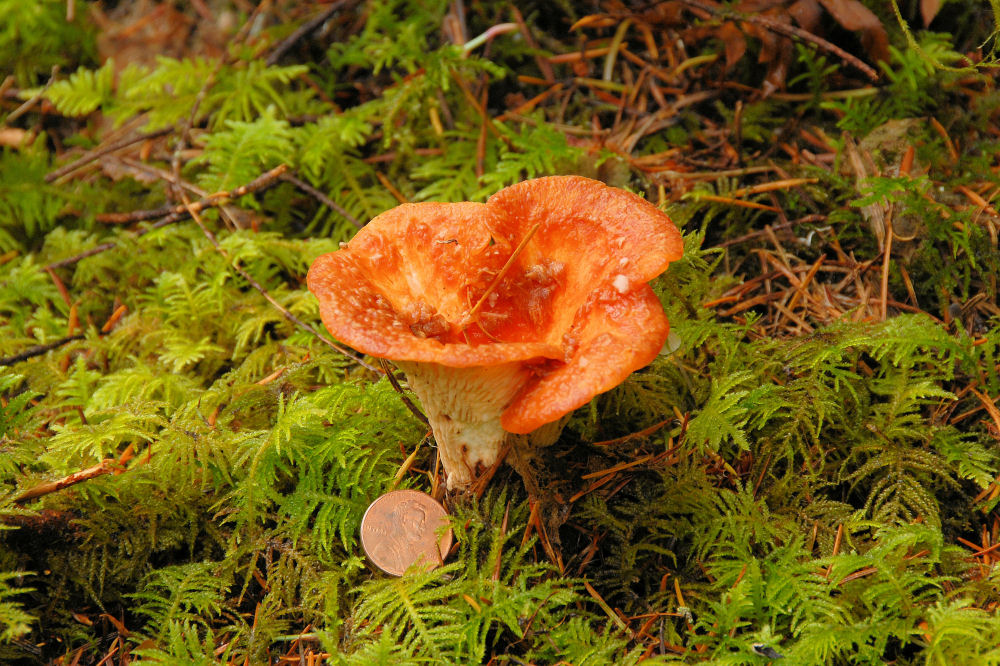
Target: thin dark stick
{"points": [[137, 215], [543, 64], [182, 141], [99, 152], [322, 198], [185, 133], [211, 201], [69, 261], [24, 108], [38, 350], [302, 31], [7, 85], [784, 225], [180, 212], [259, 287], [402, 394], [806, 36]]}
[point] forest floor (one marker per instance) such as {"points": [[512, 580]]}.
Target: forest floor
{"points": [[809, 471]]}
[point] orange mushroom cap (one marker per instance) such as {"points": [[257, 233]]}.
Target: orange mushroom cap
{"points": [[573, 306]]}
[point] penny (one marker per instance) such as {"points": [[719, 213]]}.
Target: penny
{"points": [[403, 528]]}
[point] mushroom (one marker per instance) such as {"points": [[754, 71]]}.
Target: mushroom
{"points": [[504, 316]]}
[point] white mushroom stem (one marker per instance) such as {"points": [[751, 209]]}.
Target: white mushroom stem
{"points": [[463, 406]]}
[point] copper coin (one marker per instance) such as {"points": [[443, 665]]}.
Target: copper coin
{"points": [[403, 528]]}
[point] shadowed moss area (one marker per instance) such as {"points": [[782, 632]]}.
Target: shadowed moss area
{"points": [[808, 470]]}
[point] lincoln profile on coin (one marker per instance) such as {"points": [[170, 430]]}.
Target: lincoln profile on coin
{"points": [[403, 542], [405, 527]]}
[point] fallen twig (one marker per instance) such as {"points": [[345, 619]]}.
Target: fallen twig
{"points": [[322, 198], [104, 467], [38, 350], [260, 288], [179, 212], [645, 432], [402, 394], [808, 219], [302, 31], [215, 200], [104, 150], [185, 133], [24, 108]]}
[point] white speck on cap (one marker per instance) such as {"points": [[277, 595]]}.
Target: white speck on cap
{"points": [[620, 283]]}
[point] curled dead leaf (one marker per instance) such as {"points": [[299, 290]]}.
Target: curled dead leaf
{"points": [[855, 16], [736, 43], [928, 10]]}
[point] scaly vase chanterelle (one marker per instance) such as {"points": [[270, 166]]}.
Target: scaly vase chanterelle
{"points": [[508, 315]]}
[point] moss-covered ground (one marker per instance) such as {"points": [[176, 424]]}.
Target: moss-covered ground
{"points": [[807, 473]]}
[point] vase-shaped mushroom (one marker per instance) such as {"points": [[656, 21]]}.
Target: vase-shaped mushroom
{"points": [[508, 315]]}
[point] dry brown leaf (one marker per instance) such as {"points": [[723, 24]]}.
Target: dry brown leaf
{"points": [[928, 10], [807, 14], [116, 169], [777, 69], [760, 6], [15, 137], [855, 16], [736, 43], [140, 31], [776, 50], [863, 166]]}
